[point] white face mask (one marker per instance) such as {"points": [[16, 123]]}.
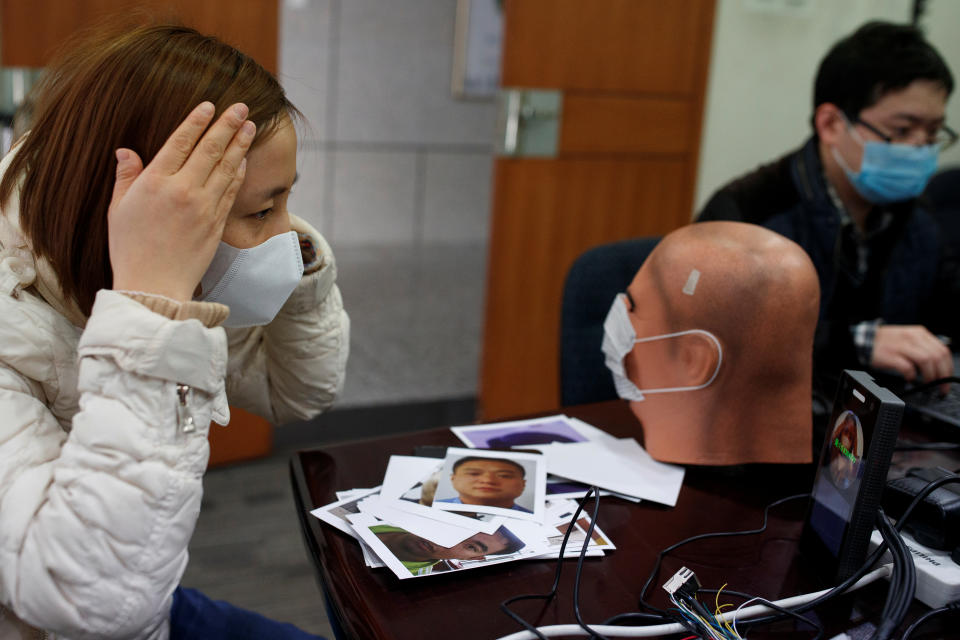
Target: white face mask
{"points": [[253, 282], [618, 340]]}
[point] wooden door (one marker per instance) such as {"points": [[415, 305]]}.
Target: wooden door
{"points": [[633, 79], [33, 29]]}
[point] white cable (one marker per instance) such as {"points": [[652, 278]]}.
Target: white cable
{"points": [[614, 631], [736, 614]]}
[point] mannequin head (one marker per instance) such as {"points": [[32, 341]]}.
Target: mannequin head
{"points": [[757, 294]]}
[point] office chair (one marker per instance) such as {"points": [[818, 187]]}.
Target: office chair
{"points": [[593, 280], [943, 198], [943, 191]]}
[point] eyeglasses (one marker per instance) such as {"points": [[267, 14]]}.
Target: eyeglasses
{"points": [[944, 136]]}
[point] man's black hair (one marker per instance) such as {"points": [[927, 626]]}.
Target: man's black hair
{"points": [[456, 465], [514, 543], [876, 59]]}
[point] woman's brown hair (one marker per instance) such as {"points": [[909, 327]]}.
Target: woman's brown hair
{"points": [[109, 89]]}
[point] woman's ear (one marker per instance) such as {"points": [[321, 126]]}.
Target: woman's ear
{"points": [[699, 357]]}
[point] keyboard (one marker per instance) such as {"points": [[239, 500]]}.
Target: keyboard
{"points": [[932, 403]]}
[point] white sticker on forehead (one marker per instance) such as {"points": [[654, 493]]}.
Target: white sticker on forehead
{"points": [[692, 281]]}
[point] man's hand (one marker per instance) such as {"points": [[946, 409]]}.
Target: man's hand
{"points": [[909, 350]]}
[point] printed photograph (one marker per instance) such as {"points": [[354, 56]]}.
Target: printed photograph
{"points": [[336, 513], [409, 555], [519, 433], [580, 528], [423, 491], [558, 487], [511, 484]]}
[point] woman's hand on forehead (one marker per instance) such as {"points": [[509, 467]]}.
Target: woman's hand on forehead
{"points": [[165, 220]]}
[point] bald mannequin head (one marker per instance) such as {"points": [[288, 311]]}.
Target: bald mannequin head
{"points": [[757, 293]]}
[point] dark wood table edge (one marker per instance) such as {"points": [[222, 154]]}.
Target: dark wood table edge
{"points": [[310, 523]]}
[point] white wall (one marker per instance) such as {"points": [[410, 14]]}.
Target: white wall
{"points": [[390, 157], [941, 23], [760, 91]]}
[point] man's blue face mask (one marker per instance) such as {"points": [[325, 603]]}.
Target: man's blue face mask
{"points": [[890, 172]]}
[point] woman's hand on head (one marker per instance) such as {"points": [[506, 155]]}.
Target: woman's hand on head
{"points": [[166, 219]]}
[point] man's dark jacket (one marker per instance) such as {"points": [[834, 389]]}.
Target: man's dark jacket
{"points": [[908, 276]]}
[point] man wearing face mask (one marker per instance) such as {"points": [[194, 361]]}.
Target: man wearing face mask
{"points": [[849, 198]]}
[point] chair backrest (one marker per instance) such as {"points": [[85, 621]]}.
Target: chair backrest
{"points": [[943, 199], [594, 279], [943, 192]]}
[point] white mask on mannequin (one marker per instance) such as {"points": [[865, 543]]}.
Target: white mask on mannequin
{"points": [[618, 340]]}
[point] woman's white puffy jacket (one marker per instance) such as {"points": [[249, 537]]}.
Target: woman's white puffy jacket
{"points": [[100, 481]]}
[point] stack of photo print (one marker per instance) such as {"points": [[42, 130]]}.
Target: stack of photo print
{"points": [[496, 499]]}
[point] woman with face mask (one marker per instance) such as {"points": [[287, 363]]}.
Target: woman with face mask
{"points": [[145, 209]]}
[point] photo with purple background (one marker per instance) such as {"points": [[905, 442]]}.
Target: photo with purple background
{"points": [[519, 435]]}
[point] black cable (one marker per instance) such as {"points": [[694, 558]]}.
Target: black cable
{"points": [[505, 605], [703, 536], [641, 618], [835, 591], [694, 604], [701, 609], [787, 612], [927, 446], [926, 386], [896, 575], [583, 553], [903, 582], [663, 615], [871, 560], [909, 590], [947, 608], [698, 627], [927, 490]]}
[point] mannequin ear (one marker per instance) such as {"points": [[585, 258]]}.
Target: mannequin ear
{"points": [[699, 358], [829, 122]]}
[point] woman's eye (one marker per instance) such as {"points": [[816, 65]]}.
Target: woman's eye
{"points": [[261, 215]]}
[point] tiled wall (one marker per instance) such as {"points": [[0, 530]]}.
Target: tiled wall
{"points": [[388, 156]]}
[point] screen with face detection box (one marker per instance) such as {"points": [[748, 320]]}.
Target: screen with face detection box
{"points": [[841, 468], [854, 459]]}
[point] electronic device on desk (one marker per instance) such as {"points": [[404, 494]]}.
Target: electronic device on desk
{"points": [[938, 576], [851, 474], [932, 533], [931, 403], [935, 522]]}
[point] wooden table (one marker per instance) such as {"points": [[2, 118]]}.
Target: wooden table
{"points": [[375, 604]]}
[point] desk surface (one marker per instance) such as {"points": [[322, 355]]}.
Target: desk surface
{"points": [[375, 604]]}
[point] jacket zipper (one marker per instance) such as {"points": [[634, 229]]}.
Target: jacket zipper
{"points": [[184, 419]]}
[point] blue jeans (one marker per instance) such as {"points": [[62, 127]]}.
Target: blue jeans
{"points": [[194, 616]]}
